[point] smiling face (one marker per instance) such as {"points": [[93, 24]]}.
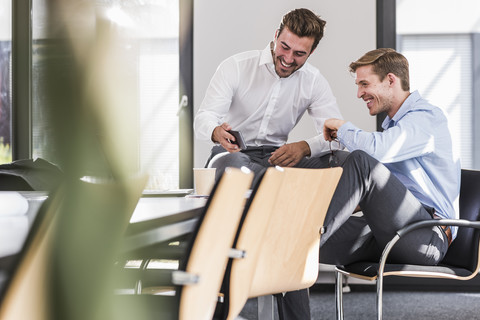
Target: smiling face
{"points": [[290, 52], [377, 94]]}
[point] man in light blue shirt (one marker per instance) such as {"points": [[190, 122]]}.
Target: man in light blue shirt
{"points": [[406, 173]]}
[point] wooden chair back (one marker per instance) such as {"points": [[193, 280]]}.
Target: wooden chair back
{"points": [[289, 256], [250, 237], [209, 253]]}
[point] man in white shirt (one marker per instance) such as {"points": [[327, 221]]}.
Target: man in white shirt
{"points": [[263, 94]]}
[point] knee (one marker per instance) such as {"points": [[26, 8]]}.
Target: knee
{"points": [[360, 159], [360, 156], [235, 160]]}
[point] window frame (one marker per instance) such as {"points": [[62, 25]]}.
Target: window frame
{"points": [[22, 145], [476, 98], [386, 35], [21, 79]]}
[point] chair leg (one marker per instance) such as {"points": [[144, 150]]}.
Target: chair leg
{"points": [[379, 298], [339, 294], [265, 307]]}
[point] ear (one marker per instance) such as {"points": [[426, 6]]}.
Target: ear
{"points": [[276, 35], [392, 79]]}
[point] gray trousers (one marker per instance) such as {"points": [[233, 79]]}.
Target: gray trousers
{"points": [[387, 206]]}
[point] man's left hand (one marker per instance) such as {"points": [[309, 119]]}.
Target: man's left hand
{"points": [[290, 154]]}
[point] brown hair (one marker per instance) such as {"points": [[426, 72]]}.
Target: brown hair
{"points": [[304, 23], [385, 61]]}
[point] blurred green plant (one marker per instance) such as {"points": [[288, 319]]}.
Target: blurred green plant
{"points": [[5, 152]]}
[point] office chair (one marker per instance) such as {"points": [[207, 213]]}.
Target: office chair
{"points": [[196, 283], [461, 261]]}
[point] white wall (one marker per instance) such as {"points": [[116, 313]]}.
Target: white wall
{"points": [[5, 20], [438, 16], [225, 27]]}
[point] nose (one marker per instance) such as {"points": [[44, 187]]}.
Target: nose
{"points": [[360, 92], [288, 57]]}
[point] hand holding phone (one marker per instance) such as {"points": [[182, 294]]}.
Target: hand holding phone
{"points": [[239, 141]]}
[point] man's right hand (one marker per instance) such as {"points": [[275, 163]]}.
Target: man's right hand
{"points": [[221, 135], [330, 128]]}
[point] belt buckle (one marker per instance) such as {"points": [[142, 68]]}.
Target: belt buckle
{"points": [[446, 229], [448, 232]]}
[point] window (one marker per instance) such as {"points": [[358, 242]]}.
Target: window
{"points": [[159, 39], [441, 69], [441, 41], [5, 80]]}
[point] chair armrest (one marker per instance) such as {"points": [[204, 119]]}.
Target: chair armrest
{"points": [[438, 222], [418, 225], [424, 224]]}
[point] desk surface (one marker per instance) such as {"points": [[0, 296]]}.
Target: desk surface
{"points": [[150, 208], [150, 220], [157, 220], [16, 217], [154, 220]]}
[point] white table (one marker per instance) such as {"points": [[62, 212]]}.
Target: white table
{"points": [[158, 219], [151, 208], [17, 212], [154, 219]]}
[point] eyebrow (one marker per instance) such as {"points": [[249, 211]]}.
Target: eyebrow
{"points": [[298, 51]]}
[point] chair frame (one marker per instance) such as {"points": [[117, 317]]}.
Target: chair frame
{"points": [[341, 271]]}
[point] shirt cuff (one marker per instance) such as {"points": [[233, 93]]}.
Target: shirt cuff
{"points": [[318, 146]]}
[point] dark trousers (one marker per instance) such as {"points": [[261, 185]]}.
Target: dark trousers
{"points": [[386, 206], [256, 159]]}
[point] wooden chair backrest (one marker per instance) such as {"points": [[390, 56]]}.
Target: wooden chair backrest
{"points": [[290, 250], [42, 269], [209, 255], [250, 239]]}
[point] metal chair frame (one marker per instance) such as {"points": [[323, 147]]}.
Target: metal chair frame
{"points": [[420, 271]]}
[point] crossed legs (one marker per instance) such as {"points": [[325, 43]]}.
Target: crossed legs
{"points": [[387, 206]]}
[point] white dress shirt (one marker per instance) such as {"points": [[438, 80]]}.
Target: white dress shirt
{"points": [[247, 93]]}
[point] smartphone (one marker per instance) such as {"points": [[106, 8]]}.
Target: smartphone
{"points": [[238, 139]]}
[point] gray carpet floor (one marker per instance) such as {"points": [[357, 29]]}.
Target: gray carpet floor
{"points": [[401, 305]]}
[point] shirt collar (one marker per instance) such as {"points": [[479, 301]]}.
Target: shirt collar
{"points": [[406, 106], [266, 57]]}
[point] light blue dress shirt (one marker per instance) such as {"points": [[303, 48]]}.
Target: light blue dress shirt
{"points": [[416, 146]]}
